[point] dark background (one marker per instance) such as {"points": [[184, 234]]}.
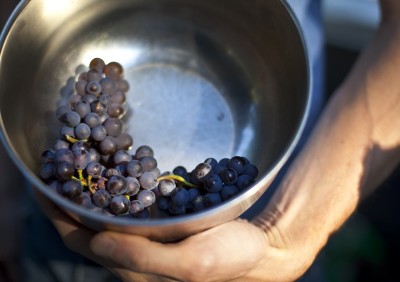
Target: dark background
{"points": [[366, 248]]}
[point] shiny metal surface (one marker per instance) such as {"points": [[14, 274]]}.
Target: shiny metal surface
{"points": [[208, 79]]}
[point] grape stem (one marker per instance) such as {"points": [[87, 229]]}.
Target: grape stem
{"points": [[73, 140], [176, 178]]}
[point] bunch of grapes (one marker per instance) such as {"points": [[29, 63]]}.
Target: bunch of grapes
{"points": [[207, 185], [91, 165]]}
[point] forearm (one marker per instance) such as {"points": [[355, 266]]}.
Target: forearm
{"points": [[354, 147]]}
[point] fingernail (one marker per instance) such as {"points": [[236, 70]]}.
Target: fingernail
{"points": [[103, 245]]}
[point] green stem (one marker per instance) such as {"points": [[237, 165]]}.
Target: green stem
{"points": [[176, 178]]}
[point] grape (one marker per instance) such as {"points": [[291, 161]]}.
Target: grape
{"points": [[198, 203], [98, 133], [146, 197], [81, 159], [101, 198], [228, 191], [73, 99], [135, 168], [84, 200], [121, 169], [94, 156], [82, 108], [61, 144], [163, 203], [148, 163], [223, 162], [92, 119], [64, 170], [133, 186], [123, 85], [176, 209], [180, 196], [211, 199], [113, 126], [108, 145], [94, 169], [144, 151], [89, 98], [121, 156], [148, 180], [98, 107], [93, 75], [125, 141], [193, 193], [82, 76], [213, 163], [166, 186], [82, 131], [48, 156], [251, 169], [47, 171], [116, 185], [71, 118], [201, 171], [101, 183], [115, 110], [108, 85], [113, 70], [237, 163], [104, 99], [80, 145], [118, 97], [97, 64], [156, 172], [80, 87], [64, 155], [66, 131], [179, 170], [135, 207], [110, 172], [228, 176], [244, 181], [61, 111], [72, 189], [119, 205], [213, 183]]}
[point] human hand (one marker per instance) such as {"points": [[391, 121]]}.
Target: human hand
{"points": [[237, 250]]}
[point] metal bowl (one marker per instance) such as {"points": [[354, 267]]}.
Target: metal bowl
{"points": [[208, 79]]}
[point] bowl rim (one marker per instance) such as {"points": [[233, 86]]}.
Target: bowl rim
{"points": [[263, 180]]}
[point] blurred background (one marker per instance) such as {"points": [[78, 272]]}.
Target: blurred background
{"points": [[366, 248]]}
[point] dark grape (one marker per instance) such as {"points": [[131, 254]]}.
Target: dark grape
{"points": [[135, 207], [97, 64], [166, 186], [133, 186], [72, 189], [92, 119], [211, 199], [135, 168], [213, 183], [101, 198], [148, 163], [47, 171], [113, 126], [244, 181], [228, 191], [119, 205], [180, 196], [148, 180], [108, 145], [144, 151], [228, 176], [82, 108], [116, 185], [237, 163], [146, 197], [94, 169]]}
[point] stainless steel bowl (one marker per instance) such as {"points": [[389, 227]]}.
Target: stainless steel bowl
{"points": [[208, 79]]}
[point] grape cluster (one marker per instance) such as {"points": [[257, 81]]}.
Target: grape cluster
{"points": [[208, 184], [91, 164]]}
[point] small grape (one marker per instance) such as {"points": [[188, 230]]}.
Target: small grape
{"points": [[89, 98], [119, 205], [48, 156], [228, 176], [213, 183], [179, 170], [101, 198], [94, 169], [116, 185], [144, 151], [92, 119], [61, 110], [176, 209], [237, 163], [148, 180], [98, 133], [121, 156], [72, 188], [135, 168], [82, 131], [66, 131], [98, 107], [84, 200], [61, 144], [133, 186], [228, 191], [213, 163], [211, 199], [148, 163], [114, 70], [109, 86], [201, 171], [64, 170], [163, 203], [251, 169], [47, 171], [136, 206], [125, 141], [166, 186], [123, 85], [146, 197], [180, 196], [118, 97], [93, 75], [80, 145], [97, 64], [113, 126], [80, 87], [71, 118], [198, 203], [115, 110], [64, 155], [82, 108], [81, 159], [104, 99], [94, 155], [244, 181], [108, 145]]}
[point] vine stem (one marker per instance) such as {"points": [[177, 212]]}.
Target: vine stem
{"points": [[177, 178]]}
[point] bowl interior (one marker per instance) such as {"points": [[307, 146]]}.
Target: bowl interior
{"points": [[206, 79]]}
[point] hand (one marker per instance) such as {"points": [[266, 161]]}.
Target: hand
{"points": [[234, 250]]}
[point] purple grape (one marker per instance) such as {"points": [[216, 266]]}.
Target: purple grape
{"points": [[47, 156], [61, 144], [80, 145], [72, 189], [94, 75], [101, 198], [97, 64], [228, 191], [118, 97], [176, 209], [133, 186], [98, 107], [71, 118], [123, 85], [179, 170], [135, 207], [64, 170], [108, 145], [237, 163], [113, 126], [148, 163], [251, 169], [92, 119], [244, 181], [82, 108], [98, 133], [47, 171], [109, 86], [146, 197], [94, 169], [116, 185], [144, 151], [213, 183], [180, 196], [125, 141], [119, 205], [228, 176], [166, 186], [211, 199], [64, 155], [135, 168], [80, 87], [148, 180], [82, 131], [121, 156], [115, 110], [81, 159]]}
